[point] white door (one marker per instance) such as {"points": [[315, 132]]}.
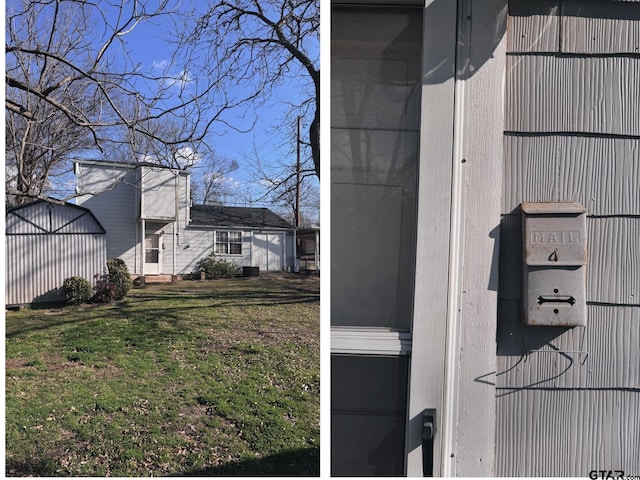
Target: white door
{"points": [[390, 198], [152, 254], [267, 251]]}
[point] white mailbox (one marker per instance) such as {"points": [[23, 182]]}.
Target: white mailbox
{"points": [[555, 259]]}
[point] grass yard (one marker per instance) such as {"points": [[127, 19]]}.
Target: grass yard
{"points": [[195, 378]]}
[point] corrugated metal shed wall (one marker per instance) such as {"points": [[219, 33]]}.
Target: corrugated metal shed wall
{"points": [[47, 243], [569, 399]]}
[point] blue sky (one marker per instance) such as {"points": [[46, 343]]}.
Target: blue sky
{"points": [[146, 44], [147, 48]]}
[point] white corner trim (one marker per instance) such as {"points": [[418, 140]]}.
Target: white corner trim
{"points": [[369, 341], [450, 391]]}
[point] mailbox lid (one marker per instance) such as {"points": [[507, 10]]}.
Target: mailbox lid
{"points": [[555, 234], [552, 208]]}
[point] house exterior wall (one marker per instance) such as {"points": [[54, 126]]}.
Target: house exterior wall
{"points": [[471, 350], [129, 200], [47, 244], [111, 193], [194, 243], [197, 243], [159, 187], [453, 331], [123, 196], [180, 256], [568, 399]]}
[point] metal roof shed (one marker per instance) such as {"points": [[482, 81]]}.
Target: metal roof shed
{"points": [[47, 242]]}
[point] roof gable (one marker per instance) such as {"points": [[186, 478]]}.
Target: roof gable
{"points": [[236, 217], [43, 217]]}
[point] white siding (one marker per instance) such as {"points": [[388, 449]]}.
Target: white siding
{"points": [[269, 250], [194, 246], [121, 205], [482, 46], [591, 26], [159, 193], [175, 233], [552, 168], [117, 201], [92, 179], [116, 206]]}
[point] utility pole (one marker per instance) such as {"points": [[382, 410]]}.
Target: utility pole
{"points": [[297, 212], [297, 215]]}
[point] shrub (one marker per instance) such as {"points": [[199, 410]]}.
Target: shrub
{"points": [[77, 290], [214, 267], [115, 284], [119, 278]]}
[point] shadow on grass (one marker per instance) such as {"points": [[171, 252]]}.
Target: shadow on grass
{"points": [[34, 468], [256, 294], [294, 463]]}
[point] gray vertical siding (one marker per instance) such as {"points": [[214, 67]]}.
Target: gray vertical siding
{"points": [[568, 398], [44, 246]]}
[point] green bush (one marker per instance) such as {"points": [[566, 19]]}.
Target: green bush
{"points": [[119, 278], [115, 284], [77, 290], [214, 267]]}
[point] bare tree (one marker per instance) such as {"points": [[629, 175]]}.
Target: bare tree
{"points": [[304, 212], [42, 125], [72, 89], [290, 184], [254, 46], [210, 181]]}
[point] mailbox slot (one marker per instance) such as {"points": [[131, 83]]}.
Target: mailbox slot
{"points": [[554, 263]]}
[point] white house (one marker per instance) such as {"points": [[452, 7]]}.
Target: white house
{"points": [[151, 224], [446, 117]]}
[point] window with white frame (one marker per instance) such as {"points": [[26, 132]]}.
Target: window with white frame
{"points": [[228, 243]]}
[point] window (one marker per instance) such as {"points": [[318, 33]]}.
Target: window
{"points": [[228, 243], [152, 248], [376, 86]]}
